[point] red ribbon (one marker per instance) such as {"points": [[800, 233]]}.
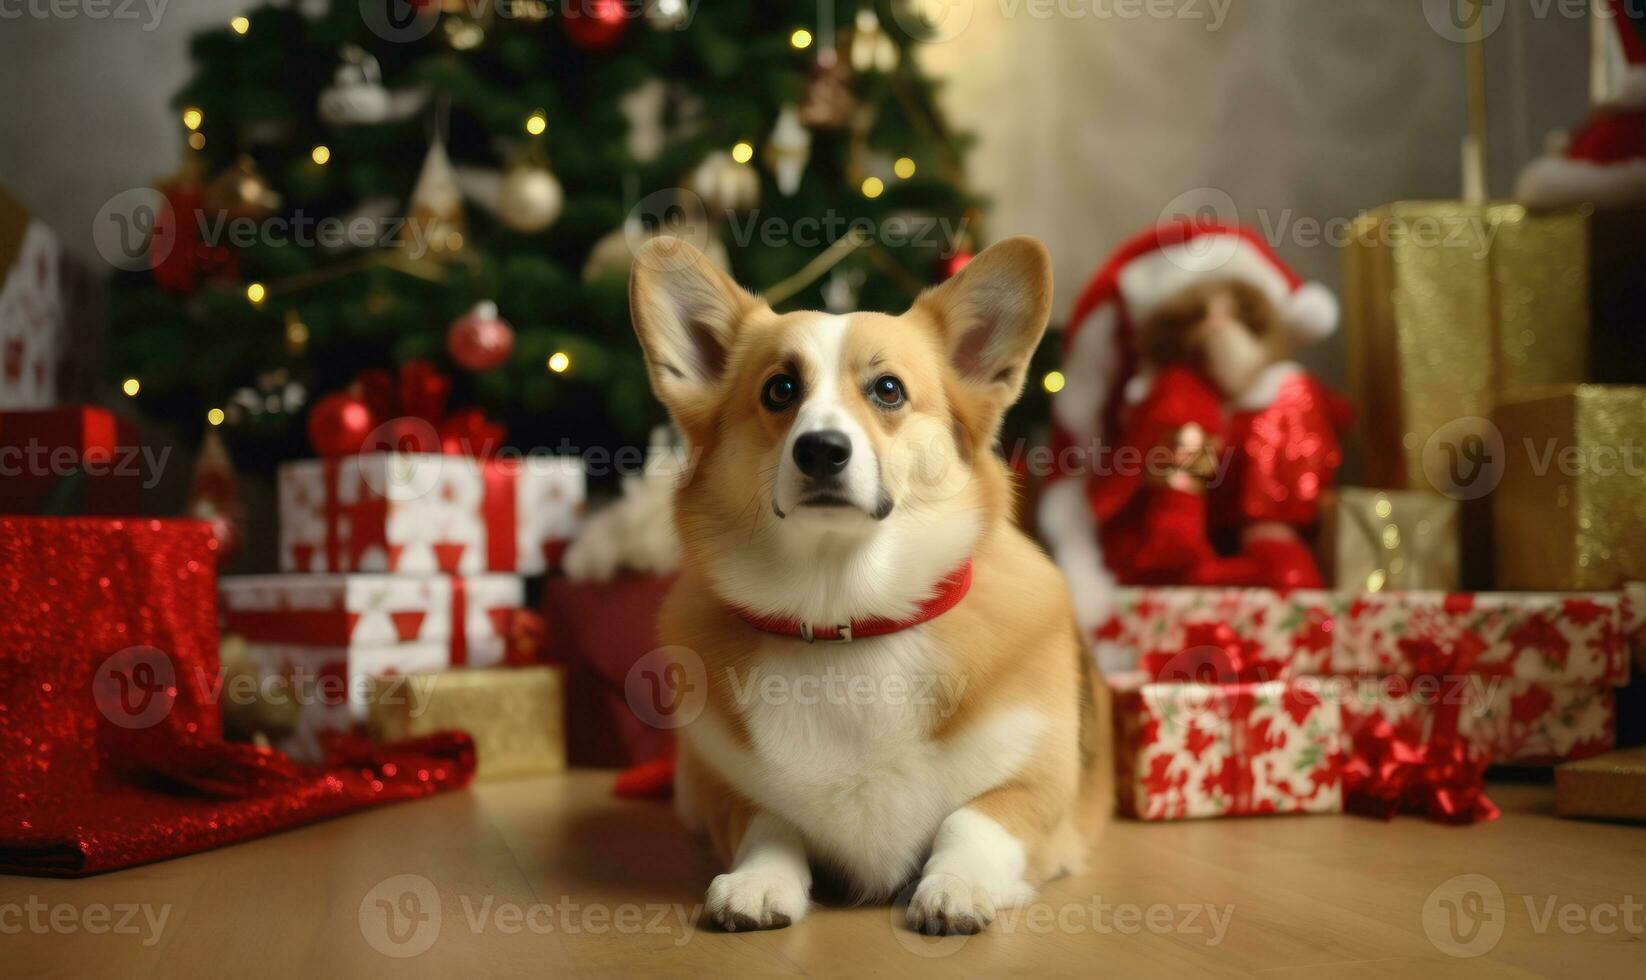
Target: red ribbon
{"points": [[459, 627], [497, 506], [1393, 771]]}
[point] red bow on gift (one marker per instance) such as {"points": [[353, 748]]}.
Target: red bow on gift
{"points": [[1395, 770], [406, 412]]}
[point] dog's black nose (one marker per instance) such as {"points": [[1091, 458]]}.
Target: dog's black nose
{"points": [[823, 453]]}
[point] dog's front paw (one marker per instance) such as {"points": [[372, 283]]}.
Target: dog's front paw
{"points": [[746, 900], [948, 905]]}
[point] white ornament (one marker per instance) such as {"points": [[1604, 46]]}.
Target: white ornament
{"points": [[529, 199], [788, 149], [613, 255], [436, 193], [643, 109], [724, 184], [668, 15], [872, 50], [357, 97]]}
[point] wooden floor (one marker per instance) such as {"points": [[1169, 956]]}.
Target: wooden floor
{"points": [[552, 877]]}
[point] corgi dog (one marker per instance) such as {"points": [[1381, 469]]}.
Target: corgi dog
{"points": [[896, 691]]}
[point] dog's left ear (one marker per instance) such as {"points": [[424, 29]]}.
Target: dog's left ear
{"points": [[991, 316]]}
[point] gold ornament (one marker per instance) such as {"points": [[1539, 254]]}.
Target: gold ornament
{"points": [[828, 102], [529, 199], [242, 192]]}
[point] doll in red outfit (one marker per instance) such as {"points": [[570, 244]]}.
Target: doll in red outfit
{"points": [[1200, 449]]}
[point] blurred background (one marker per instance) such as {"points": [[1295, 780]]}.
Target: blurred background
{"points": [[524, 148]]}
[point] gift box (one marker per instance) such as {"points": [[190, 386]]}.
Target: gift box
{"points": [[1539, 670], [31, 309], [1570, 511], [467, 618], [1556, 638], [1607, 787], [71, 460], [516, 716], [109, 682], [1214, 750], [1389, 539], [317, 641], [428, 512], [600, 632], [1447, 306]]}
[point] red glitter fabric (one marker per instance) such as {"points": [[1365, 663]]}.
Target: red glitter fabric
{"points": [[113, 749]]}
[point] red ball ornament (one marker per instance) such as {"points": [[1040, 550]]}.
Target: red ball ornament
{"points": [[480, 339], [954, 263], [340, 423], [596, 25]]}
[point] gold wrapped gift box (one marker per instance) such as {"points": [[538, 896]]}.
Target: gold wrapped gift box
{"points": [[1570, 510], [1606, 787], [1389, 539], [1447, 305], [516, 715]]}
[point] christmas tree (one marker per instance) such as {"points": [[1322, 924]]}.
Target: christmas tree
{"points": [[358, 181]]}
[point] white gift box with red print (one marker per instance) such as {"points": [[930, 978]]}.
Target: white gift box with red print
{"points": [[1215, 750], [466, 616], [31, 313], [320, 639], [428, 513], [1549, 662]]}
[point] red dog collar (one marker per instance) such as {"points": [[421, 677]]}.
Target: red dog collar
{"points": [[949, 593]]}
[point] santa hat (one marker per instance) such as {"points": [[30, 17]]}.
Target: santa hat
{"points": [[1143, 273], [1604, 162]]}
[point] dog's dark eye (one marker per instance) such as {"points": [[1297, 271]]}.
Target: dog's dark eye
{"points": [[781, 392], [887, 391]]}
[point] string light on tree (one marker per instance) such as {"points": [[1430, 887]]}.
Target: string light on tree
{"points": [[742, 152], [240, 25], [1053, 381], [321, 154], [197, 141], [560, 362], [297, 333], [904, 168], [131, 386], [214, 417], [537, 124], [801, 39], [873, 187], [256, 292], [192, 118]]}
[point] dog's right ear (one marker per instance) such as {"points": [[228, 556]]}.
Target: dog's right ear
{"points": [[686, 313]]}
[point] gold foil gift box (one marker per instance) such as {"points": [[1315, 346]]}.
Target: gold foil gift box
{"points": [[516, 715], [1606, 787], [1448, 305], [1373, 540], [1570, 509]]}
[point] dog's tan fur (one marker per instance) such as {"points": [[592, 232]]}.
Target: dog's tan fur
{"points": [[961, 353]]}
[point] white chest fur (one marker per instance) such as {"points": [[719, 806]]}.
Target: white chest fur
{"points": [[842, 744]]}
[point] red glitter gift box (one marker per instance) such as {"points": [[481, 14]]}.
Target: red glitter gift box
{"points": [[114, 753]]}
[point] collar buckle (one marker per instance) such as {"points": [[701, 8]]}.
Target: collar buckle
{"points": [[843, 634]]}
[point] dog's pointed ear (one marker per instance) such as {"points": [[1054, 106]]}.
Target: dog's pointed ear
{"points": [[991, 317], [687, 314]]}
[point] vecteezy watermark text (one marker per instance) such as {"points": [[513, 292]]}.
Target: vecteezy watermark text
{"points": [[148, 11], [39, 917]]}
